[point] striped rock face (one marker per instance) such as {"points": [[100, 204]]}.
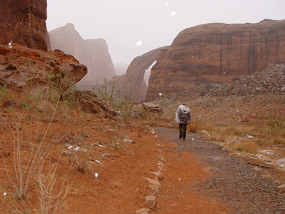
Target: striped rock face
{"points": [[24, 22], [215, 53]]}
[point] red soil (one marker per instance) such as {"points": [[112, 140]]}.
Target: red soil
{"points": [[122, 167]]}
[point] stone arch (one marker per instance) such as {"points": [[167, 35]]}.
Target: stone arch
{"points": [[133, 85]]}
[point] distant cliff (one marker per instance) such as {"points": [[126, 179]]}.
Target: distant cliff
{"points": [[93, 53], [120, 68], [216, 53], [24, 22]]}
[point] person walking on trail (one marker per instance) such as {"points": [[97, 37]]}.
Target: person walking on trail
{"points": [[183, 117]]}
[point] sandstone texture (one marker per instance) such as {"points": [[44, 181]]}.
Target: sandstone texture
{"points": [[24, 22], [215, 53], [93, 53], [38, 71], [132, 83]]}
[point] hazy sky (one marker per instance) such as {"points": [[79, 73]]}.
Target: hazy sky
{"points": [[133, 27]]}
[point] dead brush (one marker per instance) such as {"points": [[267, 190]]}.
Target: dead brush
{"points": [[24, 166], [278, 141], [235, 130], [140, 128], [51, 202], [117, 146], [247, 146], [81, 156], [8, 204]]}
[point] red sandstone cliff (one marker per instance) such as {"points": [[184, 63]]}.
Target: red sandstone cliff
{"points": [[25, 64], [24, 22], [93, 53], [216, 53]]}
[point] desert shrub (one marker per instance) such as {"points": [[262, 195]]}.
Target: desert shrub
{"points": [[246, 146], [236, 130], [279, 140], [24, 166], [275, 122], [194, 126], [115, 99], [81, 157]]}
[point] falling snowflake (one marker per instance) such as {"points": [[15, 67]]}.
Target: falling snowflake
{"points": [[173, 13], [139, 43], [10, 44], [160, 94]]}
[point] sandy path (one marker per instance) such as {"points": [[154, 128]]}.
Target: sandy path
{"points": [[201, 177]]}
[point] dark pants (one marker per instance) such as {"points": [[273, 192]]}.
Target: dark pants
{"points": [[182, 130]]}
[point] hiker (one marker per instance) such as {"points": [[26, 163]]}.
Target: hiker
{"points": [[183, 117]]}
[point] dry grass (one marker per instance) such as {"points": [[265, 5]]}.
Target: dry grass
{"points": [[235, 130], [261, 116], [81, 157], [195, 126], [31, 123], [247, 146], [278, 141], [51, 202], [24, 168]]}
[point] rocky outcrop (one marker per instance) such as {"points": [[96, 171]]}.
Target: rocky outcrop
{"points": [[38, 71], [93, 53], [24, 22], [133, 84], [215, 53], [270, 80]]}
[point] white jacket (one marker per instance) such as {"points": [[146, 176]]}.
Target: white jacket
{"points": [[183, 114]]}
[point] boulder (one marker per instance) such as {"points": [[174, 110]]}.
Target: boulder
{"points": [[24, 22], [150, 201], [152, 107], [215, 53], [38, 71]]}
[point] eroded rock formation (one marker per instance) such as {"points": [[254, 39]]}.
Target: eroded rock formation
{"points": [[24, 22], [38, 71], [216, 53], [93, 53], [132, 83]]}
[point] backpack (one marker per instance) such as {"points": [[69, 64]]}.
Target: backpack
{"points": [[184, 114]]}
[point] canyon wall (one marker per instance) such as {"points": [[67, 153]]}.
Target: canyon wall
{"points": [[24, 22], [25, 62], [215, 53], [93, 53]]}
